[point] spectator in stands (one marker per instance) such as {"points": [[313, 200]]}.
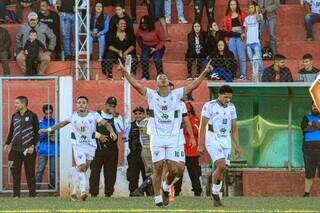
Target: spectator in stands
{"points": [[156, 11], [215, 35], [180, 10], [233, 21], [151, 40], [46, 148], [121, 43], [32, 49], [99, 27], [277, 72], [308, 73], [67, 25], [312, 8], [251, 24], [269, 11], [5, 41], [223, 62], [310, 126], [120, 14], [44, 34], [51, 19], [3, 11], [24, 4], [198, 10], [197, 49], [133, 10]]}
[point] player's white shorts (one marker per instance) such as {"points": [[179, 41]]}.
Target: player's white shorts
{"points": [[82, 154], [217, 152], [167, 148]]}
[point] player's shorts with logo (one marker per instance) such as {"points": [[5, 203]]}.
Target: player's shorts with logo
{"points": [[216, 149]]}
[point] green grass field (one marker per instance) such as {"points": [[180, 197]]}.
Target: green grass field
{"points": [[181, 204]]}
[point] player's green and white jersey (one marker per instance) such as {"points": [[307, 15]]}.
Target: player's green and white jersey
{"points": [[164, 112], [219, 123], [84, 128]]}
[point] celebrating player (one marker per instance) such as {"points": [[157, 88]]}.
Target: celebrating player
{"points": [[221, 117], [164, 129], [315, 92], [83, 139]]}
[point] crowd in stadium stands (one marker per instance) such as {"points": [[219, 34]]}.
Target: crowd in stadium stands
{"points": [[238, 40]]}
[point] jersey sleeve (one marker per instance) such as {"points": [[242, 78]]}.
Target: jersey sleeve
{"points": [[206, 111], [178, 93], [118, 122], [97, 117], [233, 113], [69, 119]]}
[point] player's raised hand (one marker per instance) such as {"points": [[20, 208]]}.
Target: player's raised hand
{"points": [[208, 67], [200, 149], [121, 66], [113, 135], [6, 148]]}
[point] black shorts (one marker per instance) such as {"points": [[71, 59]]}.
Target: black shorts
{"points": [[311, 162]]}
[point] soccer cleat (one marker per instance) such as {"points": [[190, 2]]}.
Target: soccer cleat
{"points": [[74, 197], [160, 205], [83, 196], [306, 194], [165, 197], [216, 200]]}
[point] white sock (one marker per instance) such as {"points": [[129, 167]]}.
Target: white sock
{"points": [[75, 180], [158, 199], [82, 181], [165, 186], [216, 188]]}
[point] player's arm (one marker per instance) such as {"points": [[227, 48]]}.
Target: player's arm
{"points": [[315, 92], [136, 85], [203, 124], [235, 136], [196, 83], [109, 128], [55, 127], [187, 122]]}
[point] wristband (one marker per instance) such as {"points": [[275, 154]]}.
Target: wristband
{"points": [[49, 129], [97, 135]]}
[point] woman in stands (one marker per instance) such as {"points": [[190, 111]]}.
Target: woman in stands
{"points": [[233, 22], [121, 43], [223, 62], [151, 39], [99, 26], [197, 49]]}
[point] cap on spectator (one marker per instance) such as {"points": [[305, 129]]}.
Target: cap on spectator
{"points": [[111, 100], [32, 15], [138, 109]]}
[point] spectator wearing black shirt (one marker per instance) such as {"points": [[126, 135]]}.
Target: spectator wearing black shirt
{"points": [[24, 4], [121, 43], [20, 144], [277, 72], [51, 19], [223, 62], [5, 41], [3, 11], [196, 49], [215, 35], [31, 50], [308, 73], [120, 14]]}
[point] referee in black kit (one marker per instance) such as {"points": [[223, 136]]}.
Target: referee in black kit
{"points": [[20, 144], [107, 153]]}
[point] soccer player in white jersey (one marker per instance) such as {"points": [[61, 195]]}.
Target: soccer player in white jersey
{"points": [[83, 139], [315, 92], [218, 125], [164, 129]]}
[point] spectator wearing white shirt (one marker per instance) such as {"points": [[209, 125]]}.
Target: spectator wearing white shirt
{"points": [[312, 16], [251, 24]]}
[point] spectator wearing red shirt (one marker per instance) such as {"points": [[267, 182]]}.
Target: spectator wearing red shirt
{"points": [[192, 156], [151, 39]]}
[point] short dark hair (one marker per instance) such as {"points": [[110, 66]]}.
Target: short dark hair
{"points": [[83, 97], [225, 89], [307, 56], [23, 99], [33, 31], [254, 3], [279, 57], [120, 5], [146, 21], [46, 107], [46, 1]]}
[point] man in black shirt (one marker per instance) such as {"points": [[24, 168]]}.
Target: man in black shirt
{"points": [[308, 73], [20, 144], [277, 72], [51, 19], [23, 4]]}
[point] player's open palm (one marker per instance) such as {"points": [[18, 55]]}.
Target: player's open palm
{"points": [[113, 136]]}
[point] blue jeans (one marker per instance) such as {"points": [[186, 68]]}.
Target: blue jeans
{"points": [[271, 24], [157, 57], [67, 25], [238, 48], [222, 74], [102, 44], [42, 162], [255, 50], [309, 19], [179, 5], [157, 9]]}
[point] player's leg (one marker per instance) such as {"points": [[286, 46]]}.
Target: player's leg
{"points": [[315, 92], [310, 170], [81, 165]]}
